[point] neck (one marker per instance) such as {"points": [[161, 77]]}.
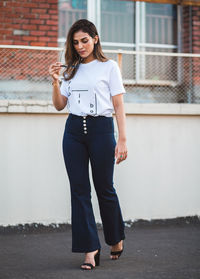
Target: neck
{"points": [[88, 59]]}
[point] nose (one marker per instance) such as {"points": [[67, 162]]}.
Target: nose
{"points": [[80, 45]]}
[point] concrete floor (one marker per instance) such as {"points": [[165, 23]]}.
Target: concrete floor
{"points": [[171, 252]]}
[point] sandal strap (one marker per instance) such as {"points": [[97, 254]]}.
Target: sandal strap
{"points": [[116, 252], [88, 264]]}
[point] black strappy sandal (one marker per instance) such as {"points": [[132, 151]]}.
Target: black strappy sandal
{"points": [[116, 253], [96, 259]]}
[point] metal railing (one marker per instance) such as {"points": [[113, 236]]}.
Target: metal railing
{"points": [[153, 77]]}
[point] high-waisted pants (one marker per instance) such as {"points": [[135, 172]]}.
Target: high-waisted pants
{"points": [[92, 138]]}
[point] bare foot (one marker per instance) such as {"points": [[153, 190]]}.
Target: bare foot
{"points": [[116, 247], [89, 258]]}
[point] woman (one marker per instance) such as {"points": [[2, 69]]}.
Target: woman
{"points": [[92, 88]]}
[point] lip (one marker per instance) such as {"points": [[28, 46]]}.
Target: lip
{"points": [[82, 52]]}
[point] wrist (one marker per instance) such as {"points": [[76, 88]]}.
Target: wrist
{"points": [[122, 139], [56, 82]]}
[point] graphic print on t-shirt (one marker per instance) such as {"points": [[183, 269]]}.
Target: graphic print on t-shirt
{"points": [[82, 97]]}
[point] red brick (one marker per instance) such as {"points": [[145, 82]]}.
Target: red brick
{"points": [[7, 32], [196, 43], [196, 22], [40, 1], [7, 10], [37, 21], [8, 19], [52, 33], [16, 4], [196, 49], [30, 5], [44, 27], [196, 32], [38, 44], [20, 20], [22, 10], [12, 15], [52, 44], [54, 28], [45, 39], [52, 22], [38, 11], [55, 17], [37, 33], [195, 18], [21, 43], [195, 8], [12, 26], [29, 27], [13, 37], [7, 42], [44, 16], [32, 16], [17, 1], [195, 38], [42, 5], [53, 12], [53, 1], [55, 7], [29, 38]]}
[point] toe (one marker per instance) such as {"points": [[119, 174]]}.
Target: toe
{"points": [[85, 267]]}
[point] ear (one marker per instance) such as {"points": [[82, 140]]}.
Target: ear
{"points": [[96, 38]]}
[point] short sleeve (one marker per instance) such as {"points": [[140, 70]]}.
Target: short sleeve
{"points": [[115, 80], [64, 88]]}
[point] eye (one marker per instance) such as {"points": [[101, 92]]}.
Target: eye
{"points": [[85, 41]]}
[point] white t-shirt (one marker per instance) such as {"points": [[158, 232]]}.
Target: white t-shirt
{"points": [[90, 91]]}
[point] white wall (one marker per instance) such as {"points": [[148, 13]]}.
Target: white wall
{"points": [[159, 179]]}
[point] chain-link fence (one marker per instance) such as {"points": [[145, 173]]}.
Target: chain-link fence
{"points": [[148, 77]]}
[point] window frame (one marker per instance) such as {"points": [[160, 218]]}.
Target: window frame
{"points": [[94, 15]]}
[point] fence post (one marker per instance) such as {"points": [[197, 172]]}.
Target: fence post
{"points": [[119, 60]]}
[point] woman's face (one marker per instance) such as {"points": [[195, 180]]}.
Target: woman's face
{"points": [[84, 43]]}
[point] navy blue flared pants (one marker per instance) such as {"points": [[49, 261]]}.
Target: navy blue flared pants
{"points": [[91, 139]]}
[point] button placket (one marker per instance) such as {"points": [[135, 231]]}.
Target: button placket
{"points": [[84, 125]]}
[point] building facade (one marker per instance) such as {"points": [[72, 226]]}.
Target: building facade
{"points": [[123, 26]]}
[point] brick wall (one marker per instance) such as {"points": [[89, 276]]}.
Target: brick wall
{"points": [[31, 22], [195, 17], [192, 65]]}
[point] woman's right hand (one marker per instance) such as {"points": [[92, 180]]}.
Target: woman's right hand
{"points": [[54, 70]]}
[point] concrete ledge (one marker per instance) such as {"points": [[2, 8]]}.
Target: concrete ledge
{"points": [[161, 108], [28, 106], [139, 223], [41, 106]]}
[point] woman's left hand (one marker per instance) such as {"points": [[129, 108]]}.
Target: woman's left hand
{"points": [[120, 151]]}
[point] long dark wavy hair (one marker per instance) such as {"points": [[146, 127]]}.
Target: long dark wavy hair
{"points": [[72, 58]]}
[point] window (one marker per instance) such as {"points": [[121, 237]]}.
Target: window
{"points": [[161, 24], [132, 26], [69, 12], [117, 23]]}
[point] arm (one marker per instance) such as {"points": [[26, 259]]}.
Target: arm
{"points": [[59, 100], [121, 148]]}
